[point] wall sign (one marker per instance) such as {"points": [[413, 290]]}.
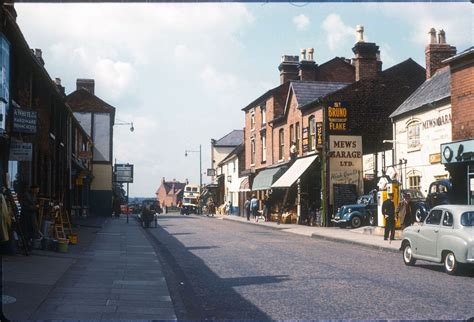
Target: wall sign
{"points": [[20, 151], [24, 120], [337, 118], [4, 81], [124, 173], [319, 135], [305, 139], [456, 152]]}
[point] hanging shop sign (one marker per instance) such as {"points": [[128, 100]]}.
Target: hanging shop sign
{"points": [[124, 173], [211, 172], [24, 120], [337, 114], [319, 135], [456, 152], [305, 139], [21, 151], [3, 116]]}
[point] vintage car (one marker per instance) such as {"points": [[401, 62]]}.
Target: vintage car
{"points": [[446, 236], [357, 214], [439, 193]]}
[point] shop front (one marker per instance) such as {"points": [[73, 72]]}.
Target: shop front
{"points": [[262, 185], [237, 195], [458, 158], [302, 186]]}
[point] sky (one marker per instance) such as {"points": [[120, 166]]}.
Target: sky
{"points": [[183, 72]]}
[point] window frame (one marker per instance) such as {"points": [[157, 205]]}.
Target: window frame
{"points": [[297, 136], [252, 119], [263, 109], [252, 151], [414, 140], [431, 215], [263, 142], [449, 224], [281, 144], [312, 133], [411, 182]]}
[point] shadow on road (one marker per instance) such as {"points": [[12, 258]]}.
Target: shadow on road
{"points": [[213, 299]]}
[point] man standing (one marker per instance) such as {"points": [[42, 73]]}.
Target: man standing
{"points": [[388, 211], [247, 208], [254, 207], [29, 208]]}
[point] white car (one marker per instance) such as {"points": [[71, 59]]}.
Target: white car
{"points": [[446, 236]]}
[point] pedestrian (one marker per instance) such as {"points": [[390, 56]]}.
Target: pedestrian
{"points": [[29, 208], [231, 208], [254, 207], [293, 151], [266, 208], [247, 208], [388, 211], [116, 206], [404, 211]]}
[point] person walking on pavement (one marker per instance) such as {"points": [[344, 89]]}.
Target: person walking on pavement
{"points": [[266, 208], [404, 211], [388, 211], [29, 208], [254, 207], [247, 208]]}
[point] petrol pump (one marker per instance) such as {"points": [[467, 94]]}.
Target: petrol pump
{"points": [[382, 195]]}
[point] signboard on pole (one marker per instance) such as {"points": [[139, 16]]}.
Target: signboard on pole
{"points": [[124, 173], [20, 151], [24, 120]]}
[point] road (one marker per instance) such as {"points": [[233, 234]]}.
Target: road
{"points": [[220, 269]]}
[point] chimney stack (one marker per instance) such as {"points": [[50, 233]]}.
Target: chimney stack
{"points": [[365, 60], [436, 51], [288, 68], [87, 84], [61, 88], [39, 56], [307, 66]]}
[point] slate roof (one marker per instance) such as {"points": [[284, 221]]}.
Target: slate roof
{"points": [[432, 90], [460, 55], [265, 95], [234, 138], [307, 92], [235, 152], [82, 100]]}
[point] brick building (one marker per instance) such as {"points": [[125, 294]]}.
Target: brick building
{"points": [[170, 193], [458, 156]]}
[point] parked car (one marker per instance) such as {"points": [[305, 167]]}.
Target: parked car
{"points": [[439, 193], [418, 205], [363, 212], [446, 236]]}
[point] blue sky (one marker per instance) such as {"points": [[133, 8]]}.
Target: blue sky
{"points": [[183, 72]]}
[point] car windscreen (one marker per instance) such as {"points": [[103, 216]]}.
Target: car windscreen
{"points": [[467, 219]]}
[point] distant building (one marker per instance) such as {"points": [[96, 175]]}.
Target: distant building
{"points": [[170, 192], [97, 118]]}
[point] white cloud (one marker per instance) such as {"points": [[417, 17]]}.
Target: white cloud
{"points": [[302, 22], [114, 78], [215, 80], [387, 55], [337, 33]]}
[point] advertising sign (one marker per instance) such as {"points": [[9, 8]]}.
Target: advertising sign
{"points": [[319, 135], [305, 140], [211, 172], [4, 80], [24, 120], [124, 173], [20, 151], [345, 161], [337, 118], [456, 152]]}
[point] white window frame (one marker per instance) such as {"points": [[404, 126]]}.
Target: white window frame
{"points": [[263, 109], [413, 136], [252, 119], [252, 151], [414, 182], [281, 144], [263, 139]]}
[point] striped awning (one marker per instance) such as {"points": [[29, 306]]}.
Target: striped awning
{"points": [[267, 177]]}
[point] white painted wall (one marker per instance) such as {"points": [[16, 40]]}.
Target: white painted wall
{"points": [[219, 154], [435, 129], [231, 169]]}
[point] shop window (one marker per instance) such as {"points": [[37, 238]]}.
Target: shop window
{"points": [[252, 151], [413, 131], [264, 148], [414, 182], [281, 144], [312, 133]]}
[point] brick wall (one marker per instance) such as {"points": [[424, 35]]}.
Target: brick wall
{"points": [[335, 70], [462, 100], [434, 55]]}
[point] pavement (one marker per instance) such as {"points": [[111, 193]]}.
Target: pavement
{"points": [[113, 273], [369, 237]]}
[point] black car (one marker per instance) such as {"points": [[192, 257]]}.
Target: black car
{"points": [[439, 193], [355, 215]]}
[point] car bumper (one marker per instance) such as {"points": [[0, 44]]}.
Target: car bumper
{"points": [[339, 221]]}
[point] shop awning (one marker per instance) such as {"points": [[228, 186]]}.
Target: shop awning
{"points": [[294, 172], [267, 177], [236, 183]]}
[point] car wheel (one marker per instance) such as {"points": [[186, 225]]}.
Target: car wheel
{"points": [[373, 220], [451, 265], [408, 255], [356, 222]]}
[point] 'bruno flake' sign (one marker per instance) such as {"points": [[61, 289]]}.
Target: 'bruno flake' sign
{"points": [[337, 118], [24, 121]]}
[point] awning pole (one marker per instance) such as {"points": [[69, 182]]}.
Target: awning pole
{"points": [[298, 207]]}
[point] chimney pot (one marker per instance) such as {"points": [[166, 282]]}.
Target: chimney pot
{"points": [[303, 54], [310, 54], [57, 80], [432, 34], [87, 84], [39, 55], [288, 68], [441, 37], [360, 33]]}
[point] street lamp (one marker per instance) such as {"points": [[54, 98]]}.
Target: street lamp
{"points": [[127, 123], [200, 172]]}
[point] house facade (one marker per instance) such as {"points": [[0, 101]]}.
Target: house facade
{"points": [[170, 193], [231, 168]]}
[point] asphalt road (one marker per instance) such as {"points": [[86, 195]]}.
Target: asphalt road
{"points": [[220, 269]]}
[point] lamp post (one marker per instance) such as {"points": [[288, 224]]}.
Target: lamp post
{"points": [[200, 172]]}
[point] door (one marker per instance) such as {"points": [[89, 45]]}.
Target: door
{"points": [[428, 234]]}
